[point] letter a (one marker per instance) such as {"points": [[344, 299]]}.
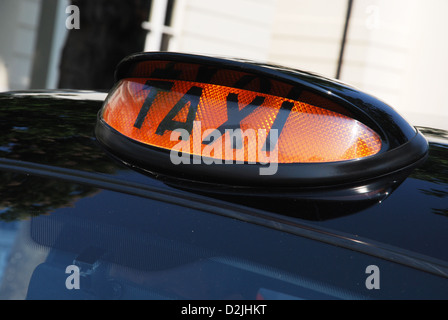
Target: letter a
{"points": [[72, 281], [72, 21], [373, 281]]}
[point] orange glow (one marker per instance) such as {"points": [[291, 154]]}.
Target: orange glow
{"points": [[307, 133]]}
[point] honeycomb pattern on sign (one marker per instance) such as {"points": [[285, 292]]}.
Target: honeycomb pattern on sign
{"points": [[307, 134]]}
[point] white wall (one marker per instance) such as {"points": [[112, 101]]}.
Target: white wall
{"points": [[19, 23], [235, 28], [295, 33], [425, 81], [307, 34], [378, 46], [397, 50]]}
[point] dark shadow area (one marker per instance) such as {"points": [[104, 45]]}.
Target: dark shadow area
{"points": [[109, 31]]}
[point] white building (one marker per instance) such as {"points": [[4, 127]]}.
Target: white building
{"points": [[394, 49]]}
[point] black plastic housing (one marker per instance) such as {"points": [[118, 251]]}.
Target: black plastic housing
{"points": [[402, 145]]}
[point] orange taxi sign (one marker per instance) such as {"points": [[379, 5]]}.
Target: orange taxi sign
{"points": [[198, 121], [228, 124]]}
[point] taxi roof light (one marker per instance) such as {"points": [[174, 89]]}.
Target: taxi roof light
{"points": [[168, 110], [306, 133]]}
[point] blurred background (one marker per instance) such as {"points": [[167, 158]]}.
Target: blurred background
{"points": [[396, 50]]}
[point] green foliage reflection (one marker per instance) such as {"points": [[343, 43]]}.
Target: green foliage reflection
{"points": [[54, 132]]}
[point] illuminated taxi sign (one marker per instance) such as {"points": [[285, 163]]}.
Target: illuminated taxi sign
{"points": [[229, 124], [232, 122]]}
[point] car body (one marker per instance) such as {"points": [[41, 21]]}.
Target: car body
{"points": [[78, 223]]}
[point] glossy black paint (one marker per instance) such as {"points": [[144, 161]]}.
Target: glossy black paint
{"points": [[407, 227], [403, 147]]}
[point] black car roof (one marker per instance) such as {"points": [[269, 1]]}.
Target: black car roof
{"points": [[51, 134]]}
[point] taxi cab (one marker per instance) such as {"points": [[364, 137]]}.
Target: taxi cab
{"points": [[202, 178]]}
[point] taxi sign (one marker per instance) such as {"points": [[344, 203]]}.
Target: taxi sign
{"points": [[229, 124], [245, 124]]}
